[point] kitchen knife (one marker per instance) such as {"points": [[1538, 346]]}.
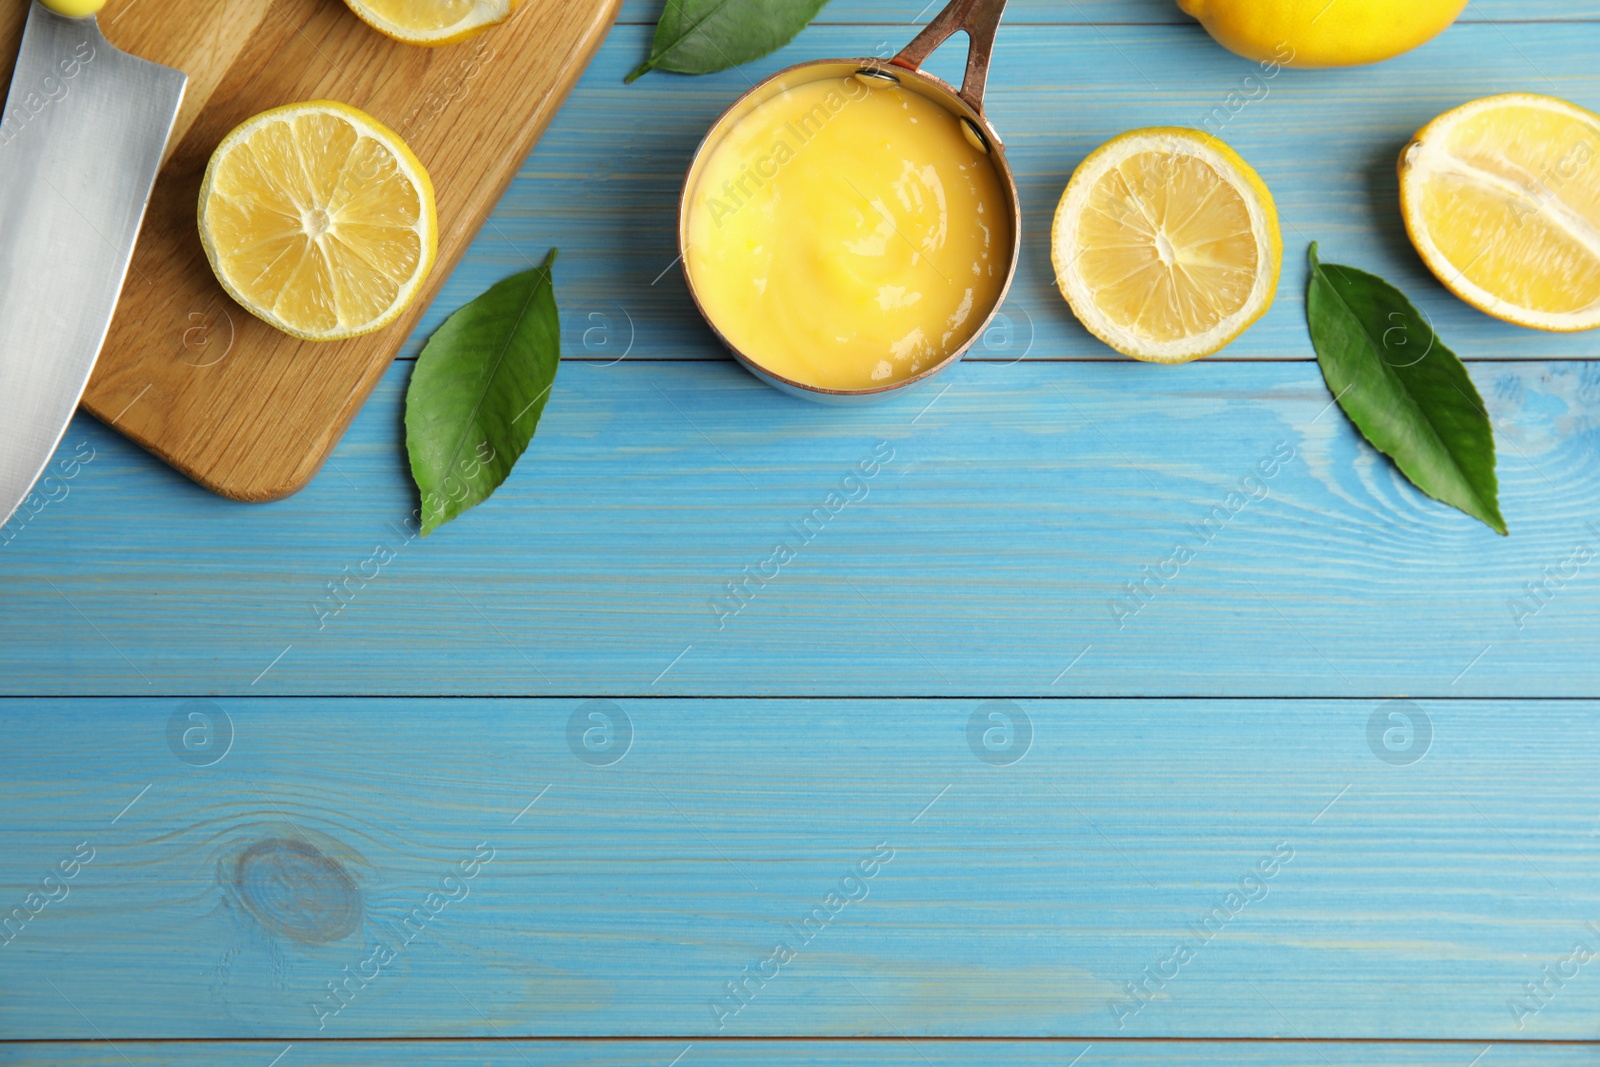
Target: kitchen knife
{"points": [[80, 143]]}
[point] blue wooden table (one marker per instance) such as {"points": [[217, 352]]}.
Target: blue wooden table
{"points": [[537, 790]]}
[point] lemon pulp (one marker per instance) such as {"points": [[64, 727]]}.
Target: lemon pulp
{"points": [[318, 219], [431, 22], [846, 235]]}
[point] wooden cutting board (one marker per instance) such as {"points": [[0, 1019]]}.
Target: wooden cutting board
{"points": [[239, 407]]}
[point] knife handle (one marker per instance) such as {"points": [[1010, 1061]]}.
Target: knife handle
{"points": [[74, 9]]}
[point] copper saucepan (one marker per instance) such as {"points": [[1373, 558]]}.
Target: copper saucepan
{"points": [[980, 19]]}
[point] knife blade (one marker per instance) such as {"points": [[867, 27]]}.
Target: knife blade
{"points": [[84, 129]]}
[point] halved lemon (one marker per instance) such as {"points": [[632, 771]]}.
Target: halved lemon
{"points": [[1166, 244], [432, 22], [318, 219], [1502, 200]]}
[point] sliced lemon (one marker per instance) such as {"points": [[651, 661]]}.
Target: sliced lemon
{"points": [[432, 22], [1166, 244], [318, 219], [1502, 200]]}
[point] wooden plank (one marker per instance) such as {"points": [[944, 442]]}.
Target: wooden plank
{"points": [[603, 183], [992, 546], [788, 1054], [616, 889], [244, 409], [1120, 12]]}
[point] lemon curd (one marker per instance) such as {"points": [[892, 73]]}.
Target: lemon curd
{"points": [[847, 235]]}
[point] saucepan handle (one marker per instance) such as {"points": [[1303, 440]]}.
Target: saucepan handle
{"points": [[981, 20]]}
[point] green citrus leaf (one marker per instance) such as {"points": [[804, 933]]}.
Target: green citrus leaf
{"points": [[478, 390], [703, 36], [1402, 388]]}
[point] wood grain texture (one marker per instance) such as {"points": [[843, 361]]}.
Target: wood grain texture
{"points": [[1122, 12], [1326, 142], [1422, 897], [892, 1053], [245, 410], [619, 898], [990, 550]]}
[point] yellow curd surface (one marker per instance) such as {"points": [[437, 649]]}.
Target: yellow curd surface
{"points": [[847, 235]]}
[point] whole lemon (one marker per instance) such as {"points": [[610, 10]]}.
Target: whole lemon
{"points": [[75, 9], [1323, 33]]}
